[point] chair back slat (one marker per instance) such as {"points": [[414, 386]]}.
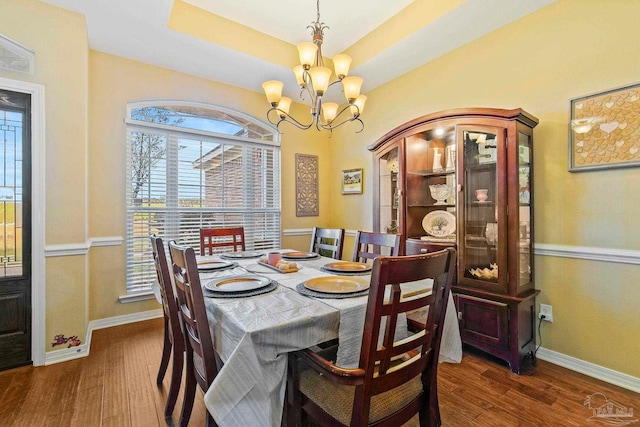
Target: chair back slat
{"points": [[193, 312], [219, 240], [327, 242], [369, 246], [167, 293], [380, 357]]}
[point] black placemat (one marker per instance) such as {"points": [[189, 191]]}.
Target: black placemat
{"points": [[213, 270], [302, 290]]}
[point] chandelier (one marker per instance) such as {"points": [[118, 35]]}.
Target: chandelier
{"points": [[314, 80]]}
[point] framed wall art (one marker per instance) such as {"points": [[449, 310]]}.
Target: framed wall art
{"points": [[352, 181], [306, 185], [605, 130]]}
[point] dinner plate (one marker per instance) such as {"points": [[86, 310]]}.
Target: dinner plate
{"points": [[337, 285], [242, 255], [237, 283], [214, 264], [348, 267], [300, 255], [439, 223]]}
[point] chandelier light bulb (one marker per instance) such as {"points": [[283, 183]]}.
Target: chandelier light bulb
{"points": [[341, 64], [320, 77], [284, 105], [358, 105], [329, 110], [273, 90], [299, 73], [307, 52], [351, 86]]}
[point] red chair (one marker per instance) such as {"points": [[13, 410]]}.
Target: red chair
{"points": [[202, 359], [394, 380], [370, 245], [218, 240], [327, 242], [173, 337]]}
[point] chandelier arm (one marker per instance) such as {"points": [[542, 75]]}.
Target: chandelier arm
{"points": [[285, 117]]}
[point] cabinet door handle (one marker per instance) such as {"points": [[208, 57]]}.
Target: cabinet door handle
{"points": [[459, 188], [423, 251], [459, 315]]}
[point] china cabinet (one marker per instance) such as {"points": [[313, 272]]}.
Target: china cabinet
{"points": [[463, 178]]}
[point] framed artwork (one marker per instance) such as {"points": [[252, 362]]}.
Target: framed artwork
{"points": [[352, 181], [605, 130], [306, 185]]}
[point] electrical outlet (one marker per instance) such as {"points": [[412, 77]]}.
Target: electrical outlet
{"points": [[547, 311]]}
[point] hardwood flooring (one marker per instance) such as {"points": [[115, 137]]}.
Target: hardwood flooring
{"points": [[115, 386]]}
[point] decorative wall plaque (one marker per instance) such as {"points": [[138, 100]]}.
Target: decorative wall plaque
{"points": [[306, 185]]}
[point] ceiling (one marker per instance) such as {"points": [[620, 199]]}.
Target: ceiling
{"points": [[243, 43]]}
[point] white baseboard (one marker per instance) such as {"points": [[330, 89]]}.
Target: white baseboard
{"points": [[596, 371], [57, 356]]}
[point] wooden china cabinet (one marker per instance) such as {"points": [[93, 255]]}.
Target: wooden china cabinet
{"points": [[463, 178]]}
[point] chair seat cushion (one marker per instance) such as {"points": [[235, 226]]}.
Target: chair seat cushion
{"points": [[337, 399]]}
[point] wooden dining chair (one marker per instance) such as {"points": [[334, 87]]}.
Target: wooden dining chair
{"points": [[327, 242], [394, 381], [216, 240], [370, 245], [173, 338], [202, 360]]}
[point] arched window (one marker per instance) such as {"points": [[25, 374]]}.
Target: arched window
{"points": [[191, 166]]}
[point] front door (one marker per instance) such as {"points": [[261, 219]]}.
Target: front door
{"points": [[15, 229]]}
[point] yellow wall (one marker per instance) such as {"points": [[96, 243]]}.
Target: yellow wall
{"points": [[113, 82], [539, 63], [61, 66]]}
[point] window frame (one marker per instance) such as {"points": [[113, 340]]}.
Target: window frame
{"points": [[272, 215]]}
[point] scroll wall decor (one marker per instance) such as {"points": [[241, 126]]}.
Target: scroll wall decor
{"points": [[306, 185], [605, 130]]}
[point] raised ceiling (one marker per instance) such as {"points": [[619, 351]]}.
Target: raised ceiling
{"points": [[243, 43]]}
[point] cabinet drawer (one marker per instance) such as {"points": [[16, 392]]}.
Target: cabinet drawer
{"points": [[483, 321], [417, 246]]}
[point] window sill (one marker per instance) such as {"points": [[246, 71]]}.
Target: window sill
{"points": [[142, 296]]}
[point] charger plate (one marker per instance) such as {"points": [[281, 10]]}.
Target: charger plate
{"points": [[237, 283], [300, 255], [242, 255], [302, 290], [336, 285], [347, 267], [215, 264]]}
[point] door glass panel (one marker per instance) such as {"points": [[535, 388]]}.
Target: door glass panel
{"points": [[11, 126], [389, 192], [480, 195], [524, 197]]}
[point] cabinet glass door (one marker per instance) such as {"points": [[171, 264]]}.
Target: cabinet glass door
{"points": [[390, 188], [524, 210], [479, 252]]}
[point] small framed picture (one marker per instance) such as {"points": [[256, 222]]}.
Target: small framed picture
{"points": [[352, 181]]}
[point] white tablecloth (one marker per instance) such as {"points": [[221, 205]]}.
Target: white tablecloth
{"points": [[253, 336]]}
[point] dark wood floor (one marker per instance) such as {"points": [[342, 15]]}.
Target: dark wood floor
{"points": [[115, 386]]}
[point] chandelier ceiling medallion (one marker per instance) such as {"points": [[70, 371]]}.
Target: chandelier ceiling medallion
{"points": [[314, 80]]}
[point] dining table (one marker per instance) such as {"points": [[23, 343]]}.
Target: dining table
{"points": [[254, 331]]}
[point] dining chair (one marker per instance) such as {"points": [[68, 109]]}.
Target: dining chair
{"points": [[173, 338], [370, 245], [327, 242], [202, 359], [221, 239], [395, 380]]}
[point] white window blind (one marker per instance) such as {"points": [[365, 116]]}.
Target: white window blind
{"points": [[179, 182]]}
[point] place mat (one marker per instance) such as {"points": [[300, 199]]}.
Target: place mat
{"points": [[270, 287], [214, 269], [346, 273], [302, 290]]}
